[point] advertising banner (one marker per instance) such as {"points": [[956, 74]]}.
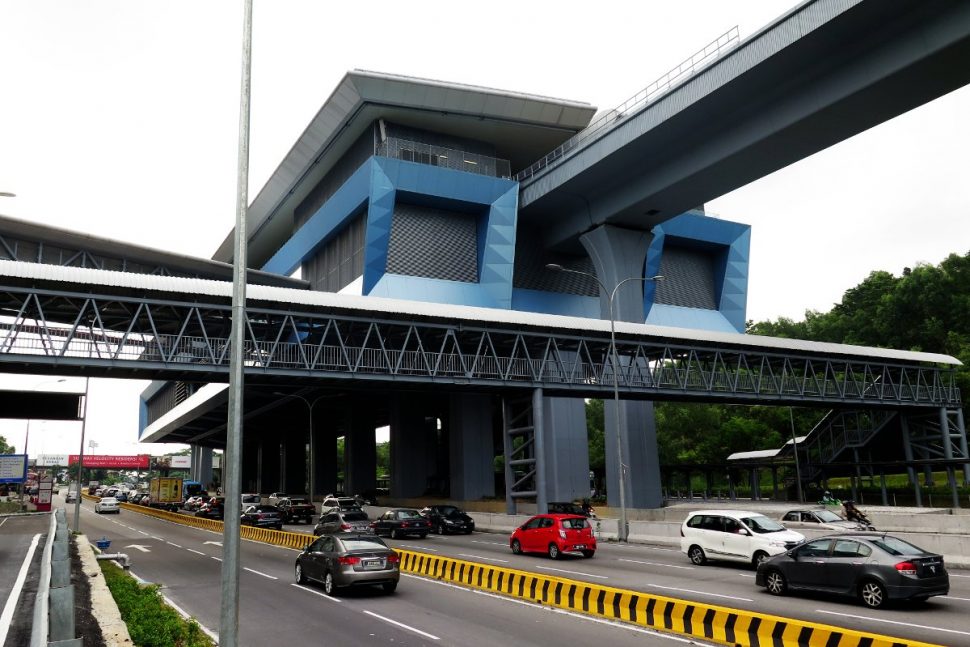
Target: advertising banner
{"points": [[181, 462], [13, 468], [97, 461]]}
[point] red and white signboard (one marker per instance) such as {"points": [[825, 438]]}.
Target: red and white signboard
{"points": [[181, 462], [96, 461]]}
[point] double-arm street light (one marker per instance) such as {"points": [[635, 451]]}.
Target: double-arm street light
{"points": [[310, 406], [623, 531]]}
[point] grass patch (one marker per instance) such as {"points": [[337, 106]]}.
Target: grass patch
{"points": [[151, 622], [9, 507]]}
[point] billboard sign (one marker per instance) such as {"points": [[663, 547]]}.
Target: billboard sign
{"points": [[181, 462], [97, 461], [51, 460], [13, 468]]}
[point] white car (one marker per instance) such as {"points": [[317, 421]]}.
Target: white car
{"points": [[734, 535], [819, 519], [107, 504]]}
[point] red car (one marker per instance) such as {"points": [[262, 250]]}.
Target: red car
{"points": [[554, 534]]}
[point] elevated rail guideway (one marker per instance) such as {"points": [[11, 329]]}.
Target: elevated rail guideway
{"points": [[68, 320]]}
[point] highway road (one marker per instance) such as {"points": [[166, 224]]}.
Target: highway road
{"points": [[274, 610]]}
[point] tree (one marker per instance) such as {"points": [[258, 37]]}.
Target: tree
{"points": [[5, 448]]}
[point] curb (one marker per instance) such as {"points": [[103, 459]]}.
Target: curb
{"points": [[103, 606]]}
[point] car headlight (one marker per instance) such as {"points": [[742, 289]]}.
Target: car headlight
{"points": [[776, 543]]}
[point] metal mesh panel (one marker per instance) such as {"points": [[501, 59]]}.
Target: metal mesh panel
{"points": [[340, 261], [688, 278], [435, 243], [531, 272]]}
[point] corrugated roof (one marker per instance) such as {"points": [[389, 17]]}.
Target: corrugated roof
{"points": [[481, 316]]}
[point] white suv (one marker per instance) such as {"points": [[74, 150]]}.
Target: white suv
{"points": [[734, 535]]}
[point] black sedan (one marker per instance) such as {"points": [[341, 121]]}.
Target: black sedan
{"points": [[448, 518], [262, 516], [349, 559], [398, 522], [874, 567]]}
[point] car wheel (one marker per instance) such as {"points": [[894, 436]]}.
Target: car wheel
{"points": [[516, 547], [759, 557], [588, 554], [697, 556], [393, 534], [300, 577], [554, 551], [440, 529], [422, 535], [328, 585], [389, 587], [873, 594], [775, 582]]}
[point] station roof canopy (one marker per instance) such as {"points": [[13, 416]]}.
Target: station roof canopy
{"points": [[523, 128]]}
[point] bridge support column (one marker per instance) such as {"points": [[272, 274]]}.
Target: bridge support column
{"points": [[947, 439], [565, 449], [201, 469], [360, 451], [470, 447], [250, 467], [413, 440], [269, 466], [619, 254], [295, 462], [325, 466], [908, 452]]}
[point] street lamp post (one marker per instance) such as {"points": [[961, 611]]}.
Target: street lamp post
{"points": [[623, 531], [310, 406], [80, 458]]}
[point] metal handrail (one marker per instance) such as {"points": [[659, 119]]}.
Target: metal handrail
{"points": [[422, 153], [635, 104]]}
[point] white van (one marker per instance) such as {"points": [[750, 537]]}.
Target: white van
{"points": [[734, 535]]}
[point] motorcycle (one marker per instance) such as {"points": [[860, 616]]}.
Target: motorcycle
{"points": [[853, 513]]}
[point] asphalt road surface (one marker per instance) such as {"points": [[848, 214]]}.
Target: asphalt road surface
{"points": [[274, 610]]}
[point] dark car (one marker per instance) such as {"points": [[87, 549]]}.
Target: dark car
{"points": [[398, 522], [351, 559], [214, 508], [562, 507], [873, 567], [337, 520], [262, 516], [448, 518], [554, 534], [295, 510]]}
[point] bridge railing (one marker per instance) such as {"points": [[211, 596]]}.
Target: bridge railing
{"points": [[458, 160], [632, 106]]}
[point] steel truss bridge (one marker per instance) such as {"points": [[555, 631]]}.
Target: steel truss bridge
{"points": [[102, 324]]}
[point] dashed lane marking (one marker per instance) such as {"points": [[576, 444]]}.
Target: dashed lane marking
{"points": [[171, 544], [401, 625], [636, 561], [713, 595], [246, 568], [320, 593], [487, 559], [562, 570], [894, 622], [197, 552]]}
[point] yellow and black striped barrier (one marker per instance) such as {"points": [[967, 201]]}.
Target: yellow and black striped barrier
{"points": [[718, 624], [698, 620]]}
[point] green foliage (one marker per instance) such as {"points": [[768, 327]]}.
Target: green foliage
{"points": [[597, 437], [150, 621], [5, 448]]}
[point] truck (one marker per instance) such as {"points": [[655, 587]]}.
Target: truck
{"points": [[166, 493]]}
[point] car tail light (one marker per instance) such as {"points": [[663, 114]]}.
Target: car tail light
{"points": [[260, 516], [345, 526], [906, 568], [404, 524], [349, 561], [393, 558]]}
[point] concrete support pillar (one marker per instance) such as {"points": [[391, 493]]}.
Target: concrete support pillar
{"points": [[470, 447], [324, 460], [201, 464], [295, 462], [566, 449], [619, 254], [539, 439], [908, 452], [360, 451], [269, 466], [413, 442], [250, 467]]}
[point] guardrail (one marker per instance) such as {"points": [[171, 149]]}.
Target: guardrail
{"points": [[724, 625]]}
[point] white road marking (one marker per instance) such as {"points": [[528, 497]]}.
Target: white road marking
{"points": [[158, 539], [491, 543], [635, 561], [11, 604], [401, 625], [171, 544], [581, 616], [217, 543], [144, 549], [487, 559], [185, 615], [893, 622], [561, 570], [246, 568], [952, 575], [143, 532], [218, 559], [950, 597], [195, 551], [713, 595], [433, 550], [4, 521], [320, 593]]}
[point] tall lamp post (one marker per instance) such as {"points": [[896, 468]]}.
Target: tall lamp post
{"points": [[624, 530], [80, 458], [310, 406]]}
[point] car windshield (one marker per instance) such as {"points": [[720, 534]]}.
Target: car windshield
{"points": [[447, 510], [895, 546], [364, 543], [827, 516], [109, 499], [355, 515], [454, 513], [299, 501], [762, 524], [408, 514]]}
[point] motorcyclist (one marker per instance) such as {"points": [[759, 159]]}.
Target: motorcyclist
{"points": [[853, 513], [588, 509]]}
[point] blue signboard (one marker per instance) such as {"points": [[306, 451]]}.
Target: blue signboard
{"points": [[13, 468]]}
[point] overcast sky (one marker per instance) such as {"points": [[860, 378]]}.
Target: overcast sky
{"points": [[119, 119]]}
